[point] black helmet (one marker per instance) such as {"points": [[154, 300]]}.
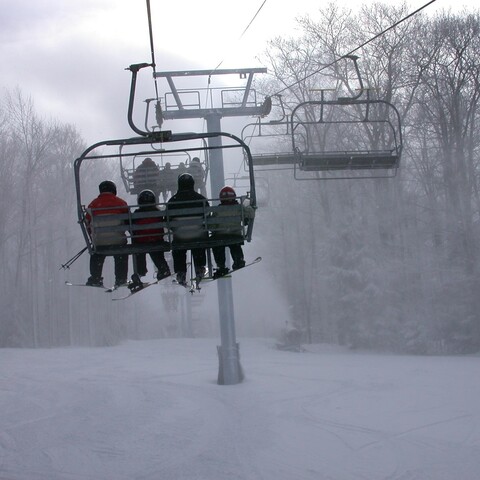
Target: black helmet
{"points": [[185, 182], [108, 186], [146, 197]]}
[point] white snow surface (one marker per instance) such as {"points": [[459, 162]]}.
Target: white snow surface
{"points": [[152, 410]]}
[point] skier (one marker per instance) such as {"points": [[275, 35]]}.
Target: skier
{"points": [[187, 197], [196, 171], [227, 197], [147, 175], [109, 204], [147, 203]]}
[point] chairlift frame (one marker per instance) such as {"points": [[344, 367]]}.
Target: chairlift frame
{"points": [[330, 164], [205, 216], [384, 161], [146, 144]]}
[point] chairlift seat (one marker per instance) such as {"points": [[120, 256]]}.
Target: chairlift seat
{"points": [[202, 219], [274, 159], [360, 160]]}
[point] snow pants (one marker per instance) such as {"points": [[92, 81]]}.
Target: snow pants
{"points": [[121, 266]]}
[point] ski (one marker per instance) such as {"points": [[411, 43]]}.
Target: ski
{"points": [[145, 285], [105, 289], [229, 274], [116, 287]]}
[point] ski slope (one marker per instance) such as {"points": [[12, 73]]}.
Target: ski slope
{"points": [[152, 410]]}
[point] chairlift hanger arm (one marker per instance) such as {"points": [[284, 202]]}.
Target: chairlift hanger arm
{"points": [[135, 69], [354, 58]]}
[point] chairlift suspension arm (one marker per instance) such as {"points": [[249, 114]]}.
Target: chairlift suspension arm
{"points": [[134, 69]]}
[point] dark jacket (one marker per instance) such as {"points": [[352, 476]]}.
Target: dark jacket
{"points": [[187, 199]]}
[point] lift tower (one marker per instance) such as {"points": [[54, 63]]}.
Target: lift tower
{"points": [[224, 102]]}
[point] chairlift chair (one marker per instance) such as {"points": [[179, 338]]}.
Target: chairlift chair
{"points": [[203, 218], [151, 143], [347, 135]]}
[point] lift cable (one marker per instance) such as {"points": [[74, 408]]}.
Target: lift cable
{"points": [[152, 50], [220, 63], [356, 48], [242, 34]]}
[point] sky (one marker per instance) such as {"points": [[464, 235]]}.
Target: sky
{"points": [[152, 410], [70, 56]]}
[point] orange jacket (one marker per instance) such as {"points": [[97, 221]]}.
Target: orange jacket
{"points": [[110, 205]]}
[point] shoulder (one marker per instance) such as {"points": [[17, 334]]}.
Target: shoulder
{"points": [[197, 196], [119, 201]]}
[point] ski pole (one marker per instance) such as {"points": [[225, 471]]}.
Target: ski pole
{"points": [[75, 257]]}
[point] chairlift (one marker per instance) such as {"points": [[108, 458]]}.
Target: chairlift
{"points": [[359, 136], [151, 144], [344, 137]]}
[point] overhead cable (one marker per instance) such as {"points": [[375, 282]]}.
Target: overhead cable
{"points": [[351, 52], [244, 31], [152, 49]]}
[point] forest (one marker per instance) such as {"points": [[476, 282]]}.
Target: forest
{"points": [[388, 264]]}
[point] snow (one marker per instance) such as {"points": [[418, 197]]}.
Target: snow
{"points": [[152, 410]]}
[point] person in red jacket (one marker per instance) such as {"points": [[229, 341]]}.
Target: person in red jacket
{"points": [[147, 203], [107, 203]]}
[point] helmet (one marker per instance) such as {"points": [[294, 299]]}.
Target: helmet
{"points": [[227, 194], [107, 186], [146, 197], [185, 182]]}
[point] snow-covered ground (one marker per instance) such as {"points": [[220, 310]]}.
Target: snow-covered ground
{"points": [[152, 410]]}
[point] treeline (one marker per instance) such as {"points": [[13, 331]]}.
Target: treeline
{"points": [[38, 233], [386, 263], [378, 263]]}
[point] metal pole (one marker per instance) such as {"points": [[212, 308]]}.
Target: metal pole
{"points": [[230, 371]]}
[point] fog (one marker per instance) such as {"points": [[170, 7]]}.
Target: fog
{"points": [[378, 278]]}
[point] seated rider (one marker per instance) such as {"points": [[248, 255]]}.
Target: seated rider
{"points": [[195, 169], [148, 235], [104, 208], [229, 230], [187, 197], [147, 176]]}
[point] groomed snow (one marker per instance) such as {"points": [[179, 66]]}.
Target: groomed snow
{"points": [[152, 410]]}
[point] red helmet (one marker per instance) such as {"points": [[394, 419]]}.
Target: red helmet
{"points": [[227, 195]]}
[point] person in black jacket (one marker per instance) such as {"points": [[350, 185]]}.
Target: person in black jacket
{"points": [[187, 197], [147, 176]]}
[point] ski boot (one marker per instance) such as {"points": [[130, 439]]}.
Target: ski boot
{"points": [[94, 282], [182, 279], [164, 273], [200, 273], [238, 264], [220, 272], [136, 284]]}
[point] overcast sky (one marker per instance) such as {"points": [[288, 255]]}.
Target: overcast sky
{"points": [[70, 56]]}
